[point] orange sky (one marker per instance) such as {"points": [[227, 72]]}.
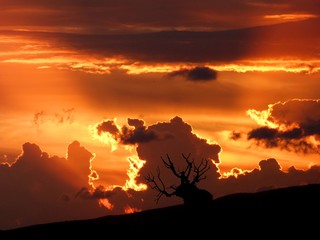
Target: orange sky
{"points": [[233, 81]]}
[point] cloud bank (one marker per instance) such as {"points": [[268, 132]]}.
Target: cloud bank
{"points": [[40, 188], [55, 188]]}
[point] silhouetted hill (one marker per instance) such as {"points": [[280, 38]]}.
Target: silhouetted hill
{"points": [[286, 211]]}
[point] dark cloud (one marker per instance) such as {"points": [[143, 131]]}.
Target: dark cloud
{"points": [[173, 138], [171, 47], [235, 135], [126, 135], [182, 141], [46, 186], [80, 158], [108, 126], [188, 46], [196, 74], [161, 32], [118, 199], [98, 193], [268, 175], [110, 15], [296, 121]]}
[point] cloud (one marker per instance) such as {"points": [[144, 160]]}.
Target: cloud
{"points": [[146, 16], [235, 135], [182, 141], [196, 74], [39, 188], [80, 158], [55, 188], [116, 200], [64, 116], [173, 138], [160, 51], [268, 175], [108, 126], [98, 193], [127, 135], [292, 125]]}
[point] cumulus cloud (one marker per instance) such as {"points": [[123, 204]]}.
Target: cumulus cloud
{"points": [[135, 133], [55, 188], [182, 140], [268, 175], [46, 186], [174, 138], [292, 125], [196, 74]]}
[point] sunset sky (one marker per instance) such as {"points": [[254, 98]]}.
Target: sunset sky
{"points": [[94, 93]]}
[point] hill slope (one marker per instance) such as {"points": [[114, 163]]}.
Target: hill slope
{"points": [[286, 210]]}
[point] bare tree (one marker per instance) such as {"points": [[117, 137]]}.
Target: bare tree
{"points": [[189, 177]]}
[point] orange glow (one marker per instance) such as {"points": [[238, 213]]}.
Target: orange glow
{"points": [[129, 210], [262, 117], [96, 66], [21, 50], [104, 137], [105, 203], [214, 66], [93, 174], [134, 166], [139, 68], [291, 17], [235, 172], [272, 65]]}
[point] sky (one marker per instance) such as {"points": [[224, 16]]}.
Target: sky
{"points": [[95, 93]]}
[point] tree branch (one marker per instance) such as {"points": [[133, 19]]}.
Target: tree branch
{"points": [[158, 184], [170, 165], [200, 170]]}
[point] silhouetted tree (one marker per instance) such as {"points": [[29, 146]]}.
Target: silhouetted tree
{"points": [[187, 189]]}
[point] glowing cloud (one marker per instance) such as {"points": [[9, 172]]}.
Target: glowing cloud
{"points": [[292, 125], [291, 17], [135, 133]]}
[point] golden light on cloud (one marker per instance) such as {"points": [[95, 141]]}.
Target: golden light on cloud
{"points": [[93, 176], [69, 63], [129, 209], [290, 66], [105, 203], [272, 65], [262, 117], [17, 49], [135, 164], [104, 137], [266, 118], [234, 172], [291, 17], [139, 68]]}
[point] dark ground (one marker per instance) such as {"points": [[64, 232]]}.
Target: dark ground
{"points": [[285, 212]]}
